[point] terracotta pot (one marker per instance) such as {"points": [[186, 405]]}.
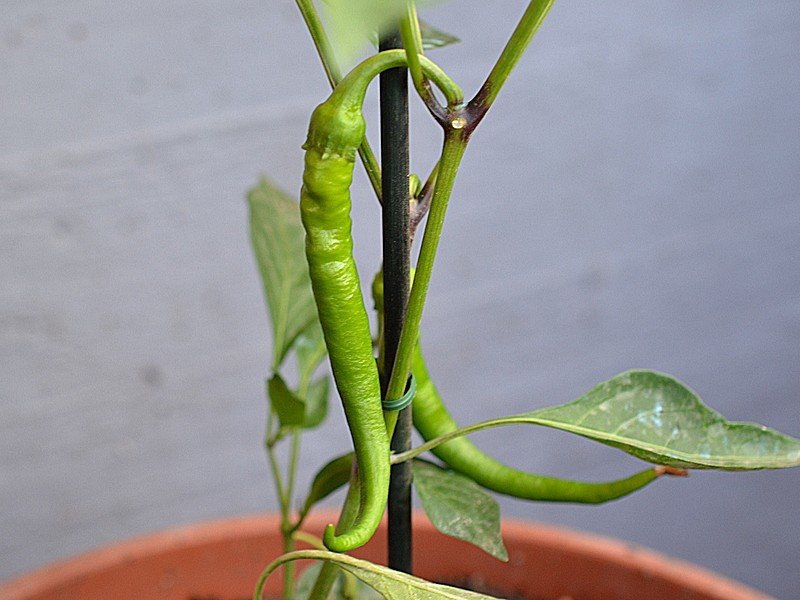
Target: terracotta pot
{"points": [[221, 560]]}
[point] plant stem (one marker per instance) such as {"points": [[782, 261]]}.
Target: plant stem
{"points": [[288, 569], [455, 143], [515, 47], [350, 508], [273, 463], [334, 74], [307, 538], [396, 269], [284, 500], [461, 125], [412, 40], [423, 201], [321, 41], [293, 456]]}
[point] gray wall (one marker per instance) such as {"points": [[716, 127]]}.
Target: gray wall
{"points": [[631, 202]]}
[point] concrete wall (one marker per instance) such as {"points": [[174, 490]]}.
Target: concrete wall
{"points": [[630, 202]]}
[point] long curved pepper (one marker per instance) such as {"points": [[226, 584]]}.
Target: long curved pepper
{"points": [[432, 420], [336, 130]]}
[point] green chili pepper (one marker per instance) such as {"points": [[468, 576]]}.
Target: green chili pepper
{"points": [[432, 420], [335, 132]]}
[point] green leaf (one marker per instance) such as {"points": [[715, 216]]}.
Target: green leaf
{"points": [[290, 408], [310, 350], [458, 507], [294, 410], [306, 582], [435, 38], [317, 402], [355, 589], [393, 585], [328, 479], [278, 240], [354, 22], [658, 419]]}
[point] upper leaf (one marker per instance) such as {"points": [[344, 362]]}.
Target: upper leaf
{"points": [[458, 507], [354, 22], [278, 241], [433, 37]]}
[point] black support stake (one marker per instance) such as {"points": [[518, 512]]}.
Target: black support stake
{"points": [[396, 261]]}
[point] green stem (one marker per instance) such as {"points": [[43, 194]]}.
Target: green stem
{"points": [[309, 539], [327, 575], [287, 527], [284, 501], [420, 208], [294, 452], [522, 419], [288, 568], [489, 423], [302, 555], [457, 133], [273, 463], [455, 142], [334, 74], [321, 41], [350, 93], [293, 460], [515, 47], [412, 41]]}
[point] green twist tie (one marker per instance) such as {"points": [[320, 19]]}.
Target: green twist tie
{"points": [[404, 400]]}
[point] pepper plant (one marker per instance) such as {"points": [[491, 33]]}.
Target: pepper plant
{"points": [[315, 299]]}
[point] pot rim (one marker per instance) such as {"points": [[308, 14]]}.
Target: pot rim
{"points": [[515, 532]]}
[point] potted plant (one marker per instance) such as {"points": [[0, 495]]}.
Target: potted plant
{"points": [[647, 414]]}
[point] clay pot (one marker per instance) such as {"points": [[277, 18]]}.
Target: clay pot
{"points": [[221, 560]]}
